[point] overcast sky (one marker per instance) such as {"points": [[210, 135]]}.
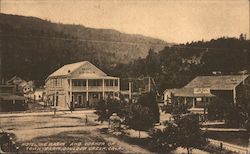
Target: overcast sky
{"points": [[171, 20]]}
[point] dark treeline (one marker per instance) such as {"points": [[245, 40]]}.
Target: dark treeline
{"points": [[175, 66]]}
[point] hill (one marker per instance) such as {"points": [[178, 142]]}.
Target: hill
{"points": [[33, 48], [175, 66]]}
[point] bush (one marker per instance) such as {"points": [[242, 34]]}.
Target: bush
{"points": [[177, 108], [105, 108], [184, 132], [218, 109]]}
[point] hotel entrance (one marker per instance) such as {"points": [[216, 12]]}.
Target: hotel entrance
{"points": [[79, 100]]}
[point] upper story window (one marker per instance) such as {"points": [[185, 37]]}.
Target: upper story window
{"points": [[111, 82], [55, 83], [79, 82], [95, 82]]}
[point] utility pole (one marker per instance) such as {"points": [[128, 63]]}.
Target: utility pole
{"points": [[1, 75], [149, 84], [130, 91]]}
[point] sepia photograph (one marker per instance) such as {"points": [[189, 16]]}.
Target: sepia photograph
{"points": [[125, 76]]}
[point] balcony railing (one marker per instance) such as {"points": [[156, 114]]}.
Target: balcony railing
{"points": [[79, 88], [111, 88], [95, 88]]}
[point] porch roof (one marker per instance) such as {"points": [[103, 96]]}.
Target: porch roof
{"points": [[7, 97]]}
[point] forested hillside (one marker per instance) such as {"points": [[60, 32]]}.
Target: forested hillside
{"points": [[175, 66], [33, 48]]}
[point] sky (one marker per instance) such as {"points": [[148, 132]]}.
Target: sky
{"points": [[177, 21]]}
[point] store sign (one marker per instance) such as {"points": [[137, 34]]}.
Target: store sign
{"points": [[201, 91]]}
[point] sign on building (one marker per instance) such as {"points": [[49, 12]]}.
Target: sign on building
{"points": [[201, 91]]}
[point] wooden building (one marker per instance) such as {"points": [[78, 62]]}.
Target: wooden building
{"points": [[81, 84], [202, 89], [10, 101]]}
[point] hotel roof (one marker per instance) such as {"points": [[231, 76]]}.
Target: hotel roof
{"points": [[68, 69]]}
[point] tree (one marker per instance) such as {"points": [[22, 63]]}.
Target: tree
{"points": [[139, 118], [152, 63], [102, 111], [189, 132], [164, 141], [149, 100]]}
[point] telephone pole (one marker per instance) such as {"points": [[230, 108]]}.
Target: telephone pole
{"points": [[1, 75]]}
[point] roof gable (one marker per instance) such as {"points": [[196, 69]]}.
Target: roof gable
{"points": [[88, 69], [75, 69], [15, 80], [224, 82]]}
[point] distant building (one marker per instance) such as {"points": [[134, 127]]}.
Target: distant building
{"points": [[22, 86], [10, 101], [37, 95], [81, 84], [202, 89]]}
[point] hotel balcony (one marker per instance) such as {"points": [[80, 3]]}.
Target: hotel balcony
{"points": [[94, 88]]}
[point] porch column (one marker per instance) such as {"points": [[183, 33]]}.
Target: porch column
{"points": [[234, 96], [70, 91], [87, 90], [149, 84], [103, 85], [185, 100], [118, 84], [193, 102], [112, 88], [66, 88], [130, 90], [55, 94]]}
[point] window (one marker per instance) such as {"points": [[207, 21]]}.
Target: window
{"points": [[95, 82], [116, 82], [110, 82], [79, 82], [55, 82]]}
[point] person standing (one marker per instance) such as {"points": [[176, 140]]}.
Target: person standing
{"points": [[71, 106]]}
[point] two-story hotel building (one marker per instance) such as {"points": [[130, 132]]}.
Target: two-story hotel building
{"points": [[81, 83]]}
